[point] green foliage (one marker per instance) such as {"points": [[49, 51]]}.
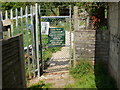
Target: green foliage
{"points": [[103, 28], [48, 5], [83, 73], [83, 67], [47, 54], [88, 76], [29, 73]]}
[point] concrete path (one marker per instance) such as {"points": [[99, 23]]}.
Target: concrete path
{"points": [[60, 59], [57, 79], [58, 71]]}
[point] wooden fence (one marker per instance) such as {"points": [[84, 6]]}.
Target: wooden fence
{"points": [[13, 68]]}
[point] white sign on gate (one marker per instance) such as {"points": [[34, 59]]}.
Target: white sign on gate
{"points": [[45, 28]]}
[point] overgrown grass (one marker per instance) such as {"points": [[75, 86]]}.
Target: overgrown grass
{"points": [[47, 54], [83, 74], [40, 84], [103, 27], [88, 76]]}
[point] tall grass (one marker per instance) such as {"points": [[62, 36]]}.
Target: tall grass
{"points": [[88, 76], [83, 74]]}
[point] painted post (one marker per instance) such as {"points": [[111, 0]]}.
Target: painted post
{"points": [[27, 40], [33, 40], [16, 21], [21, 13], [75, 29], [70, 37], [37, 45], [11, 17], [41, 57], [6, 17], [87, 23], [87, 20]]}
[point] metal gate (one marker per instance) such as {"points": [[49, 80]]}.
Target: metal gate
{"points": [[28, 24], [38, 51], [56, 40]]}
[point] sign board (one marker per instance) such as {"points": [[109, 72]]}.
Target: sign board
{"points": [[7, 22], [45, 28], [56, 37]]}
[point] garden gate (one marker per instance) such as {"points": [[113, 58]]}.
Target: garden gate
{"points": [[38, 45], [56, 39]]}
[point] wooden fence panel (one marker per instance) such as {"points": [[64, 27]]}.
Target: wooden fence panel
{"points": [[13, 68]]}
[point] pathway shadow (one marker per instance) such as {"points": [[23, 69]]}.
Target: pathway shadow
{"points": [[56, 65]]}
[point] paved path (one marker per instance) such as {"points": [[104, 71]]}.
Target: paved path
{"points": [[60, 59], [57, 79], [58, 71]]}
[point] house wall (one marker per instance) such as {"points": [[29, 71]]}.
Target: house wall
{"points": [[114, 52]]}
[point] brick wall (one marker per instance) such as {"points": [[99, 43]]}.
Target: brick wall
{"points": [[84, 43], [114, 53], [13, 71], [91, 45]]}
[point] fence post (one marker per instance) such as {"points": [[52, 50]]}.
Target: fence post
{"points": [[37, 45], [75, 29], [70, 37], [42, 62], [33, 40], [87, 20], [22, 61], [27, 40], [17, 21], [11, 16], [6, 17], [21, 13]]}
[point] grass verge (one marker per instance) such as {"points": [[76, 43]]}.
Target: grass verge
{"points": [[88, 76]]}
